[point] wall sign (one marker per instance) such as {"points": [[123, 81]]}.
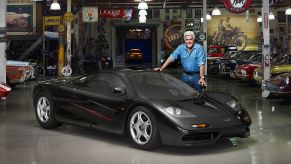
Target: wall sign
{"points": [[90, 14], [172, 36], [237, 6], [111, 13]]}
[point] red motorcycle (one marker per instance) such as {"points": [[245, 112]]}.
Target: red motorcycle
{"points": [[4, 90]]}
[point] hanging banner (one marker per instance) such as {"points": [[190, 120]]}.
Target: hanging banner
{"points": [[90, 14], [237, 6], [112, 13]]}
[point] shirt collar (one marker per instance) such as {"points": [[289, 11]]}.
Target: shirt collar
{"points": [[194, 47]]}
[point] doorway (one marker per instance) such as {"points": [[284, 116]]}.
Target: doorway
{"points": [[136, 46]]}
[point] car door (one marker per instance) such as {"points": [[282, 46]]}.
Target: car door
{"points": [[101, 103]]}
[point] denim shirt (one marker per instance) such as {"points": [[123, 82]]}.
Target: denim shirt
{"points": [[190, 61]]}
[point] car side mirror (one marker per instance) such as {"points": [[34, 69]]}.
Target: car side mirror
{"points": [[120, 90]]}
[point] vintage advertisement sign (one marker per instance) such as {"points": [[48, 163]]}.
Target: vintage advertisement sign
{"points": [[90, 14], [235, 31], [52, 20], [111, 13], [237, 6], [172, 36]]}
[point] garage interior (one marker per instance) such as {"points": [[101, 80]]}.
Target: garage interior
{"points": [[114, 42]]}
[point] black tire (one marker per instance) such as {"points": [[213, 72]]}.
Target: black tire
{"points": [[46, 119], [149, 127]]}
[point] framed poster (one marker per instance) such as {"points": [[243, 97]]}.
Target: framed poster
{"points": [[281, 17], [188, 13], [19, 18], [198, 13]]}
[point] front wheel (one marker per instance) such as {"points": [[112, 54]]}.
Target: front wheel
{"points": [[44, 111], [142, 129]]}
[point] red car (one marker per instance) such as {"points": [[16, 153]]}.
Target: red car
{"points": [[246, 71], [215, 51], [4, 90]]}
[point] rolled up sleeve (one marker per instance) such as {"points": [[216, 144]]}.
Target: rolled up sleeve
{"points": [[201, 56], [176, 53]]}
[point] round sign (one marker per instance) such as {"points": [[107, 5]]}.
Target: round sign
{"points": [[67, 71], [172, 37], [68, 16], [237, 6], [61, 28], [202, 36]]}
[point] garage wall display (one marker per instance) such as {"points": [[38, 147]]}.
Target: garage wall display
{"points": [[19, 18], [234, 31]]}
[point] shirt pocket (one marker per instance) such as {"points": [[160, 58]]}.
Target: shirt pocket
{"points": [[184, 55], [194, 57]]}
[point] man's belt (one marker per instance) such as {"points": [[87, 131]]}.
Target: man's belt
{"points": [[191, 73]]}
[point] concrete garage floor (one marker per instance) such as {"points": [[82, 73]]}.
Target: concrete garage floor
{"points": [[23, 141]]}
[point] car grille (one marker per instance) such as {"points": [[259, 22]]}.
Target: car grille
{"points": [[200, 136]]}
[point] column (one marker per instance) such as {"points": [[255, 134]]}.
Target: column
{"points": [[266, 46], [3, 6]]}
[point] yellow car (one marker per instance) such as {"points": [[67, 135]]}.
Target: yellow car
{"points": [[279, 67]]}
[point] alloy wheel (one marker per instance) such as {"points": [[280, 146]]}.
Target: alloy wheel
{"points": [[43, 109], [140, 128]]}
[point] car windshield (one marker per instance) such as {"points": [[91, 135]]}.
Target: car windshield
{"points": [[160, 86]]}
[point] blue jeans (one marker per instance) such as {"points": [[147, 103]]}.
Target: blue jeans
{"points": [[192, 81]]}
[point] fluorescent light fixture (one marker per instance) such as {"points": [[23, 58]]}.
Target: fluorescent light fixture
{"points": [[142, 5], [216, 11], [271, 16], [259, 19], [142, 12], [55, 5], [288, 11]]}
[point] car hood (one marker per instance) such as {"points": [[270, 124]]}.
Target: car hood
{"points": [[210, 107]]}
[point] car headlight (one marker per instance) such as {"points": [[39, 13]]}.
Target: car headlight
{"points": [[287, 80], [234, 105], [177, 112]]}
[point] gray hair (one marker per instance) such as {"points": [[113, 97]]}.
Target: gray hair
{"points": [[187, 33]]}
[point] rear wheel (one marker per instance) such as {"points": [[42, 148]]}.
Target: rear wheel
{"points": [[142, 129], [44, 111]]}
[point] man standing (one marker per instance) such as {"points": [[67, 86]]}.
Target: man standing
{"points": [[193, 59]]}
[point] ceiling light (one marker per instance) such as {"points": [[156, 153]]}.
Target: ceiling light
{"points": [[271, 16], [288, 11], [55, 5], [142, 5], [142, 12], [142, 19], [208, 17], [259, 19], [216, 11]]}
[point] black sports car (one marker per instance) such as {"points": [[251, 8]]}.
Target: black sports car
{"points": [[150, 107]]}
